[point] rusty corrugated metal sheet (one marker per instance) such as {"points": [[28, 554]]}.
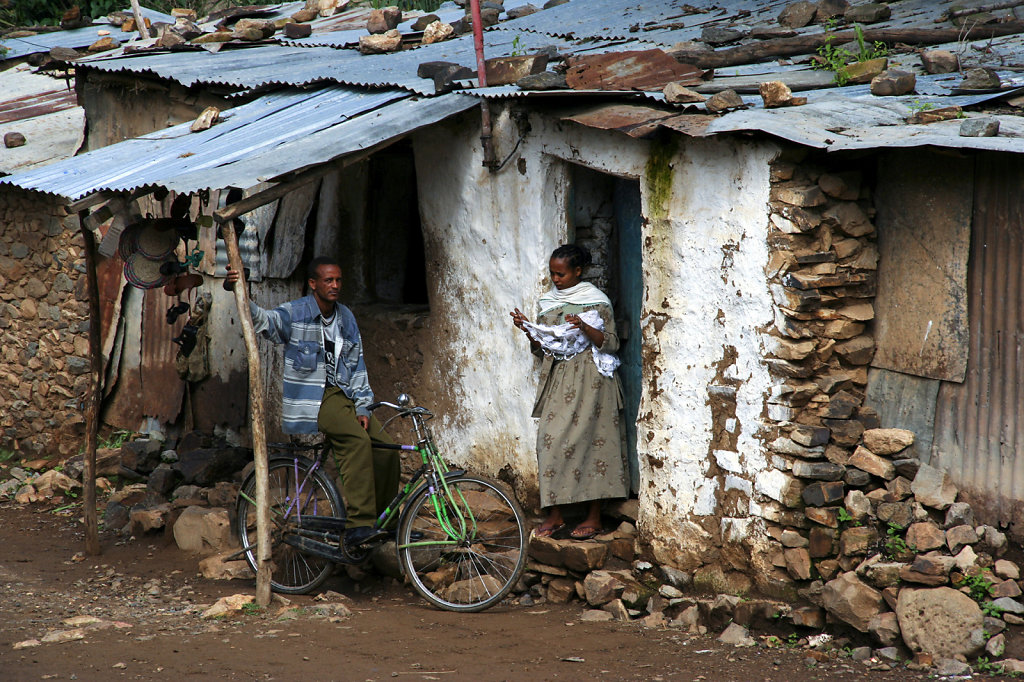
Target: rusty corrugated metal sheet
{"points": [[979, 431], [37, 104], [921, 307], [634, 120], [162, 388], [630, 70]]}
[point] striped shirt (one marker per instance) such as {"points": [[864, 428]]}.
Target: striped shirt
{"points": [[297, 324]]}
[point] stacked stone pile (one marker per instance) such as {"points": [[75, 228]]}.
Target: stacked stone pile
{"points": [[44, 354]]}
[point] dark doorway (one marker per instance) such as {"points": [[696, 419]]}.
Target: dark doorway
{"points": [[391, 265], [605, 217]]}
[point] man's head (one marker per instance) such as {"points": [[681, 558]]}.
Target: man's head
{"points": [[324, 281]]}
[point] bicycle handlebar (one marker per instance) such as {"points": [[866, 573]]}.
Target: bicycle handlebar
{"points": [[402, 411]]}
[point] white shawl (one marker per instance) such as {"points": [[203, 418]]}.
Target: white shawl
{"points": [[582, 294]]}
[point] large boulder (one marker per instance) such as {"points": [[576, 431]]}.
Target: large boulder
{"points": [[853, 602], [939, 621]]}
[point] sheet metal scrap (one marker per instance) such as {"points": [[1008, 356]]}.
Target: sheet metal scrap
{"points": [[634, 120], [38, 104], [631, 70]]}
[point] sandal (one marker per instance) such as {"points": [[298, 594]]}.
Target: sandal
{"points": [[582, 532], [547, 531]]}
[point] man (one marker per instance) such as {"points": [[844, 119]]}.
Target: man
{"points": [[326, 389]]}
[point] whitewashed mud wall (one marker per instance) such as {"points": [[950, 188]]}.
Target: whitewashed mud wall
{"points": [[705, 384]]}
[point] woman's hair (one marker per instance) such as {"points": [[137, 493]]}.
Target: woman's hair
{"points": [[577, 256]]}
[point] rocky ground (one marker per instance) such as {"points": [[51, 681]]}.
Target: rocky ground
{"points": [[137, 612]]}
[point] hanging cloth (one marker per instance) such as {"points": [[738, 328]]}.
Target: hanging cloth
{"points": [[563, 341]]}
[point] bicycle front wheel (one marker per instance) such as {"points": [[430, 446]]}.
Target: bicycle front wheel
{"points": [[294, 493], [465, 549]]}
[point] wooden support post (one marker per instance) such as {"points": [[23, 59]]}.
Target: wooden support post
{"points": [[92, 404], [256, 419], [140, 22]]}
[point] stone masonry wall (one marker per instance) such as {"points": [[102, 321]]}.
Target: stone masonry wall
{"points": [[43, 326], [822, 276]]}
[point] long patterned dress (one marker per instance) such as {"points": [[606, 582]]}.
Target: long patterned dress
{"points": [[581, 452]]}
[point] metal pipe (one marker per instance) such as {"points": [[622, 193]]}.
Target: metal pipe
{"points": [[481, 74]]}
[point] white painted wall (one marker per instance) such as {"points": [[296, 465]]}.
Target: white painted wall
{"points": [[488, 239]]}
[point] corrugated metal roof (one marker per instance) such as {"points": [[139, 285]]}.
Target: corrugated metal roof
{"points": [[264, 65], [79, 37], [347, 27], [666, 22], [45, 111], [256, 142]]}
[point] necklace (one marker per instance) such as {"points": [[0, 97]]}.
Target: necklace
{"points": [[327, 322]]}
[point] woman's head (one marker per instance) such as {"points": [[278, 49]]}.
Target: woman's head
{"points": [[566, 265]]}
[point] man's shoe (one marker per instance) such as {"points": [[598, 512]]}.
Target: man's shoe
{"points": [[362, 535]]}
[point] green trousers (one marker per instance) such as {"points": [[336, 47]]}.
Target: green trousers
{"points": [[369, 477]]}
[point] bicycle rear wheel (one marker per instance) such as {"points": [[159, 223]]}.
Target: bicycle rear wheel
{"points": [[465, 550], [294, 494]]}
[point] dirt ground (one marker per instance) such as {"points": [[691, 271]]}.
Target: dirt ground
{"points": [[148, 598]]}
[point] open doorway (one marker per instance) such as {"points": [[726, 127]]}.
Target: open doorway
{"points": [[605, 217]]}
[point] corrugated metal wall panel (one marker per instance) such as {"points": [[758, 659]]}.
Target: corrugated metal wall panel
{"points": [[979, 436]]}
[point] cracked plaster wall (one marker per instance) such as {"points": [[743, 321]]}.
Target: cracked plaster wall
{"points": [[487, 240]]}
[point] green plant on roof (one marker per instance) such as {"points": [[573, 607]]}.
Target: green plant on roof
{"points": [[836, 59], [518, 47]]}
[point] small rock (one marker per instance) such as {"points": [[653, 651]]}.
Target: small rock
{"points": [[424, 21], [676, 93], [980, 79], [304, 16], [797, 14], [939, 61], [925, 536], [1006, 569], [1009, 605], [522, 11], [951, 667], [724, 101], [295, 30], [829, 9], [383, 20], [958, 537], [777, 94], [390, 41], [717, 35], [596, 616], [225, 605], [933, 487], [617, 609], [885, 628], [545, 80], [437, 32], [865, 71], [869, 13], [888, 441], [737, 635], [979, 127], [959, 514], [996, 646], [853, 602], [13, 139], [893, 82], [865, 460]]}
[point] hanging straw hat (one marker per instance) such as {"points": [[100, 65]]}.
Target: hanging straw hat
{"points": [[154, 242], [144, 273]]}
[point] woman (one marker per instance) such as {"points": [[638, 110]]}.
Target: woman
{"points": [[580, 453]]}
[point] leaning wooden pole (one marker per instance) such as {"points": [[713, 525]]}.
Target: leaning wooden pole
{"points": [[92, 400], [140, 21], [256, 412]]}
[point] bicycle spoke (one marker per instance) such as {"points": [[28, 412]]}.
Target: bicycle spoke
{"points": [[489, 553]]}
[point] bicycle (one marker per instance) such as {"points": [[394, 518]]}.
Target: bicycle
{"points": [[461, 539]]}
